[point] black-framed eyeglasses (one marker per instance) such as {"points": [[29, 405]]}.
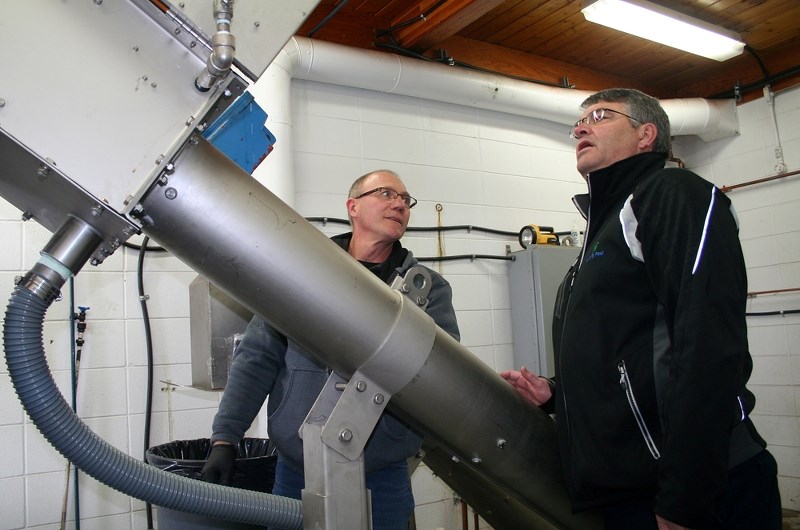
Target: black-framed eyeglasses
{"points": [[388, 194], [596, 116]]}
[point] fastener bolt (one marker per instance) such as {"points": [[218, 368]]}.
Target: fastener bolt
{"points": [[378, 399], [361, 386], [345, 436]]}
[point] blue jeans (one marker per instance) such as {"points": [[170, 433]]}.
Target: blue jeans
{"points": [[390, 488]]}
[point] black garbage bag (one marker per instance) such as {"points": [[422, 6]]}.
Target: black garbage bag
{"points": [[255, 461]]}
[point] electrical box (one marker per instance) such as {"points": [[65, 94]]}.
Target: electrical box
{"points": [[534, 276], [216, 322]]}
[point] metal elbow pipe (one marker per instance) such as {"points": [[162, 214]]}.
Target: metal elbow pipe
{"points": [[223, 47]]}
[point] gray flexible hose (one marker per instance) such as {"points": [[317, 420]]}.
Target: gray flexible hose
{"points": [[41, 398]]}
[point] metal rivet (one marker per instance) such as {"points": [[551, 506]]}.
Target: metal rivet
{"points": [[170, 193], [361, 386], [378, 399]]}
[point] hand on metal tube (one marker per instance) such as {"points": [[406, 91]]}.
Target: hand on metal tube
{"points": [[531, 387]]}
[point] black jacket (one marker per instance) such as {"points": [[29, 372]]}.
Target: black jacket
{"points": [[651, 344]]}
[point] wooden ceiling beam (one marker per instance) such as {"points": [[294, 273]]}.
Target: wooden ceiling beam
{"points": [[747, 73], [505, 61], [444, 20]]}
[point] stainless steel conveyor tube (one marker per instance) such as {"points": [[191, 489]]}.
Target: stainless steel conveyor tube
{"points": [[229, 228]]}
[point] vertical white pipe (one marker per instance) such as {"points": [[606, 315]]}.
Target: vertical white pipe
{"points": [[272, 92]]}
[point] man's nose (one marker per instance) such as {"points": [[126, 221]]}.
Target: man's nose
{"points": [[580, 130]]}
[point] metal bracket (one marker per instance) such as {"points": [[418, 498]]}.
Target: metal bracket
{"points": [[416, 284], [336, 429]]}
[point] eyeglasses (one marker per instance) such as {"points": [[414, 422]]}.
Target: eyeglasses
{"points": [[597, 115], [388, 194]]}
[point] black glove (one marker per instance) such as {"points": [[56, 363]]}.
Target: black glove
{"points": [[220, 465]]}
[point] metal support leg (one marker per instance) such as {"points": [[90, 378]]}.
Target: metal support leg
{"points": [[335, 494], [342, 419]]}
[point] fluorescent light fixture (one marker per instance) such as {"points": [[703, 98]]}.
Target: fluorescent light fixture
{"points": [[662, 25]]}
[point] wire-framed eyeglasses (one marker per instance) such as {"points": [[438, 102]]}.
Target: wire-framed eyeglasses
{"points": [[388, 194], [596, 116]]}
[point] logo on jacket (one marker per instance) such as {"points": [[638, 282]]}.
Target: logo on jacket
{"points": [[595, 252]]}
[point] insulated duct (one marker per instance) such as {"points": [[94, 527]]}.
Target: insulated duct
{"points": [[326, 62], [240, 236]]}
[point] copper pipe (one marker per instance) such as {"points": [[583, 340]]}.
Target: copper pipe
{"points": [[773, 291], [726, 189]]}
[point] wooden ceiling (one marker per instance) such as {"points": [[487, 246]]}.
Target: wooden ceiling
{"points": [[550, 42]]}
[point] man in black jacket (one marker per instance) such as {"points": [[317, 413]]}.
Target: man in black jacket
{"points": [[651, 341]]}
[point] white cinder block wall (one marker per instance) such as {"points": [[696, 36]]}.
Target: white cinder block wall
{"points": [[485, 169]]}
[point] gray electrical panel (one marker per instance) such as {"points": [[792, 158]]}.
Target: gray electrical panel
{"points": [[534, 276], [216, 320]]}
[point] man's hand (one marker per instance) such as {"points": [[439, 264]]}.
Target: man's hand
{"points": [[530, 386], [220, 464]]}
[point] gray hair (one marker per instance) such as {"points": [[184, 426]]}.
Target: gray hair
{"points": [[355, 187], [644, 108]]}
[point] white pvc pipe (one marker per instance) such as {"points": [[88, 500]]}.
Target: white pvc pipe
{"points": [[326, 62], [273, 91]]}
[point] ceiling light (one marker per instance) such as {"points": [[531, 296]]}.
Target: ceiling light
{"points": [[662, 25]]}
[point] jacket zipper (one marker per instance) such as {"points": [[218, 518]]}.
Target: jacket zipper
{"points": [[625, 382], [576, 267]]}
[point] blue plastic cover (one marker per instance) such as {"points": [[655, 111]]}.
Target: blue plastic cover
{"points": [[240, 133]]}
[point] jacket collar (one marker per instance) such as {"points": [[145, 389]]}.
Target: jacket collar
{"points": [[397, 263], [617, 181]]}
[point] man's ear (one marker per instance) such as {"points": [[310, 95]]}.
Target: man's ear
{"points": [[351, 207], [647, 136]]}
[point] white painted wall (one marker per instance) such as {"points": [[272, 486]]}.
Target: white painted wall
{"points": [[486, 169]]}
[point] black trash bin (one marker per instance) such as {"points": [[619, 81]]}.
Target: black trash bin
{"points": [[255, 470]]}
